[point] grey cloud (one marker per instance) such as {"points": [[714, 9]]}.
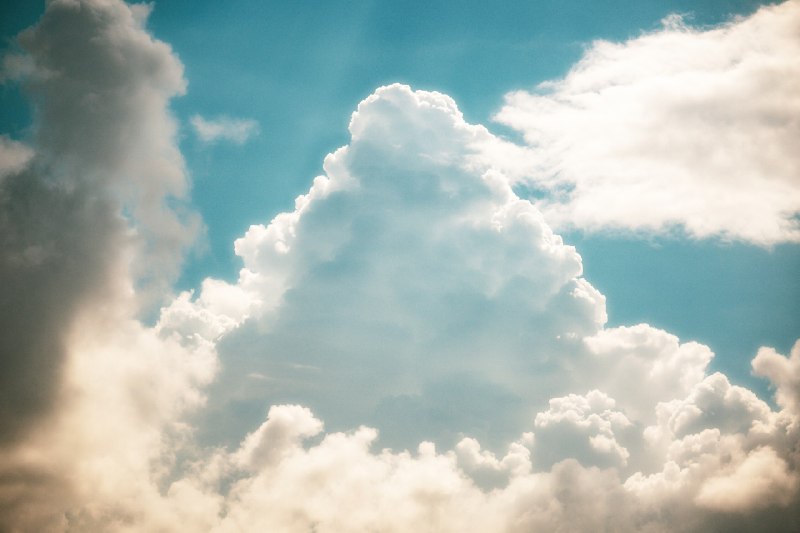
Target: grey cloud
{"points": [[58, 256], [100, 86], [89, 191]]}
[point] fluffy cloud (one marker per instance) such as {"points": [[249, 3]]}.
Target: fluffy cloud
{"points": [[679, 128], [581, 427], [422, 270], [784, 372], [664, 366], [412, 262], [430, 316], [237, 130]]}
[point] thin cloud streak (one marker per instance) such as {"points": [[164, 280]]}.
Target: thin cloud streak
{"points": [[236, 130]]}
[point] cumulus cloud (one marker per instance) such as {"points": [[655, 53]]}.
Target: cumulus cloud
{"points": [[761, 480], [237, 130], [581, 427], [413, 263], [679, 128], [410, 300]]}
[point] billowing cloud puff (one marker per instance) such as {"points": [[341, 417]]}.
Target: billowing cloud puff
{"points": [[681, 127], [13, 156], [237, 130], [421, 269], [410, 300], [664, 366], [581, 427], [401, 291], [784, 372]]}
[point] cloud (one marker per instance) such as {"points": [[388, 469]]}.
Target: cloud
{"points": [[582, 427], [679, 128], [410, 300], [93, 223], [237, 130], [436, 305], [63, 231], [14, 156], [784, 372], [762, 479], [410, 262]]}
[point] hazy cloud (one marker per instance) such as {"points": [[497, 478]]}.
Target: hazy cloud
{"points": [[14, 156], [237, 130], [92, 208]]}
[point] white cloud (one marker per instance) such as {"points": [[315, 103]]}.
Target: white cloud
{"points": [[677, 128], [761, 480], [412, 243], [584, 428], [237, 130], [410, 262], [665, 367], [410, 289], [784, 372]]}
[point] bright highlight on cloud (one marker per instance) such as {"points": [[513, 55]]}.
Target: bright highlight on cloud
{"points": [[694, 129], [411, 301], [236, 130]]}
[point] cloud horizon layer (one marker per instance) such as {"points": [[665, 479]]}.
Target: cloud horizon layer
{"points": [[411, 300]]}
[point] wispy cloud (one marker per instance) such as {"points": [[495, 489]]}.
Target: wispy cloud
{"points": [[14, 156], [237, 130], [678, 128]]}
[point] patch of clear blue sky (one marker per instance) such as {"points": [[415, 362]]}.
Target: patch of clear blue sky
{"points": [[300, 68]]}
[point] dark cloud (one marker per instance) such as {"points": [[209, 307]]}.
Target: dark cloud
{"points": [[103, 163], [58, 254]]}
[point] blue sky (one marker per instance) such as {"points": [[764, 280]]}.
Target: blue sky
{"points": [[420, 287]]}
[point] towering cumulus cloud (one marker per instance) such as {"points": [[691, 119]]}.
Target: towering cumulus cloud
{"points": [[411, 300]]}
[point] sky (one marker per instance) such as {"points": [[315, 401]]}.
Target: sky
{"points": [[400, 266]]}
